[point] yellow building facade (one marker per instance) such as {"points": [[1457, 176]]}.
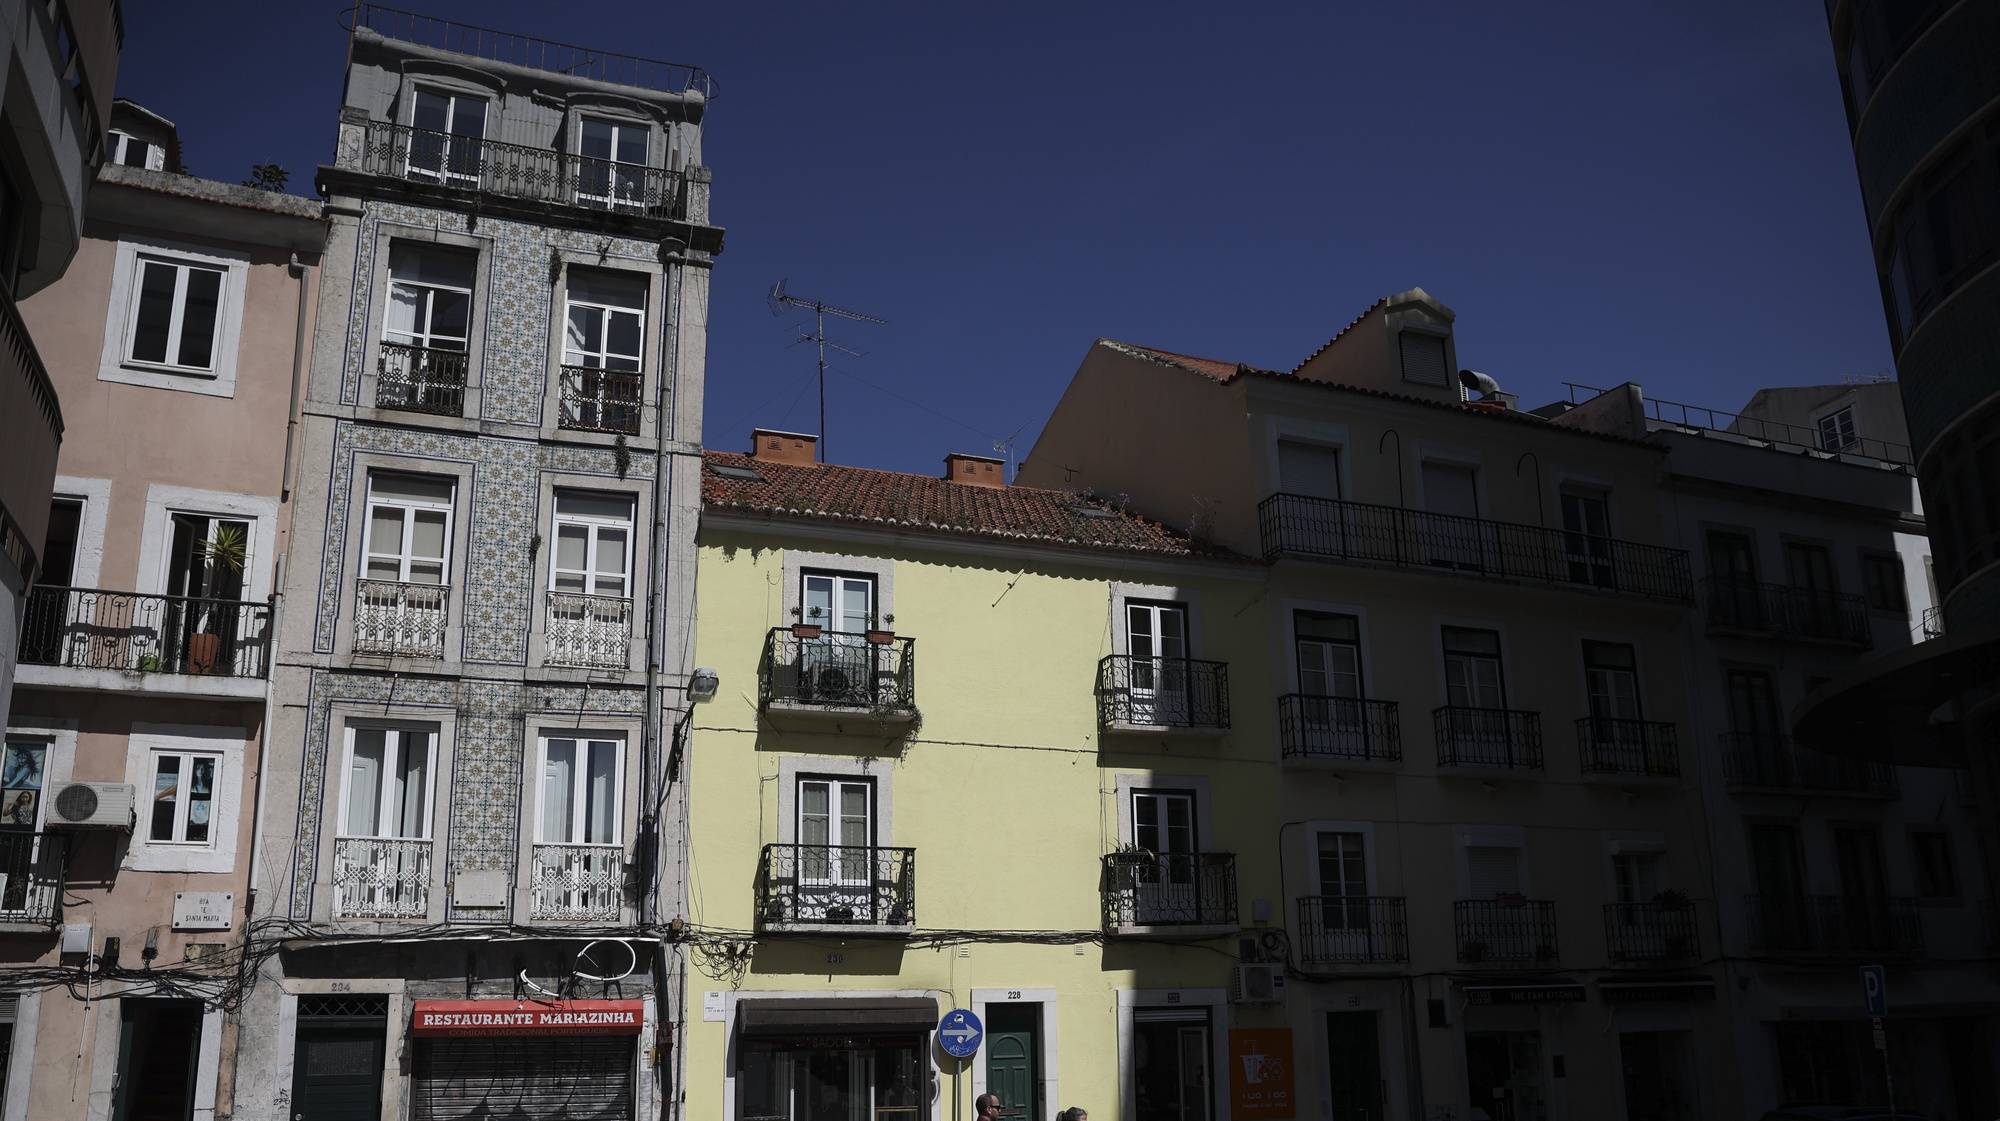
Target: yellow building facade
{"points": [[995, 808]]}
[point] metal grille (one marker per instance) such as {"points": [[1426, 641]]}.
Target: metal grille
{"points": [[381, 878], [588, 1079], [538, 175], [32, 867], [1793, 436], [1353, 928], [837, 885], [421, 379], [839, 671], [1502, 738], [1170, 889], [393, 618], [594, 631], [1335, 529], [1835, 924], [1613, 746], [85, 628], [1164, 692], [579, 883], [1315, 727], [595, 400], [343, 1006], [1788, 612], [1505, 931], [1773, 762], [1651, 933]]}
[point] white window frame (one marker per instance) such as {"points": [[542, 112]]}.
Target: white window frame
{"points": [[602, 354], [143, 748], [177, 313], [156, 156], [395, 746], [425, 337], [408, 509], [591, 525], [182, 796], [452, 97], [619, 126], [617, 740], [115, 361], [1841, 418]]}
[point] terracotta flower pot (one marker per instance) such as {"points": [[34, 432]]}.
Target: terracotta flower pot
{"points": [[806, 630], [880, 637], [204, 653]]}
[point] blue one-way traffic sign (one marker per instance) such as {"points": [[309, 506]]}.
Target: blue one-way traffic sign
{"points": [[960, 1033]]}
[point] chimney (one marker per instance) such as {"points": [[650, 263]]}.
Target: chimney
{"points": [[773, 446], [974, 470]]}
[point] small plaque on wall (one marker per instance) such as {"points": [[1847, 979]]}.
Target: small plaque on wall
{"points": [[203, 910]]}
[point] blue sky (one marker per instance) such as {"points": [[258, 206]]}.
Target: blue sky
{"points": [[1653, 191]]}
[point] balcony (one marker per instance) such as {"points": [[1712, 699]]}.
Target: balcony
{"points": [[1651, 934], [590, 632], [1619, 748], [1363, 533], [1834, 925], [1933, 622], [840, 888], [1345, 730], [421, 379], [1508, 931], [541, 177], [400, 619], [1778, 611], [1137, 694], [32, 867], [1771, 762], [1488, 739], [1353, 930], [89, 638], [815, 679], [578, 883], [381, 878], [595, 400], [1189, 893]]}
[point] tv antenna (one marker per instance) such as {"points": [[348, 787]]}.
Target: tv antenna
{"points": [[780, 299]]}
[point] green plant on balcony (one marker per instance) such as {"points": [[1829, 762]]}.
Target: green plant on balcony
{"points": [[226, 551]]}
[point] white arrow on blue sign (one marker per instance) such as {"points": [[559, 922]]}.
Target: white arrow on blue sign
{"points": [[1875, 990], [960, 1033]]}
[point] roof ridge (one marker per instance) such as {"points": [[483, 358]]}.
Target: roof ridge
{"points": [[1009, 488]]}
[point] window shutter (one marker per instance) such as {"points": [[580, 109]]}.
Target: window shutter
{"points": [[1492, 870], [1424, 359]]}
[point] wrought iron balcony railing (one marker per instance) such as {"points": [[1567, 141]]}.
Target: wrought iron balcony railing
{"points": [[1651, 933], [1773, 762], [1357, 929], [1505, 931], [595, 400], [1834, 924], [528, 51], [1787, 612], [32, 868], [1507, 739], [838, 670], [1169, 889], [1933, 622], [589, 631], [421, 379], [1336, 529], [381, 878], [578, 883], [543, 176], [1351, 728], [836, 885], [393, 618], [87, 628], [1611, 745], [1162, 692]]}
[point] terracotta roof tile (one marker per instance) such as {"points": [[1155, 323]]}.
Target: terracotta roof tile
{"points": [[892, 499]]}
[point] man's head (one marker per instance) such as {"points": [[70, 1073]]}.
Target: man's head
{"points": [[987, 1106]]}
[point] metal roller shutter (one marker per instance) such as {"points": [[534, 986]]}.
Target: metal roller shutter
{"points": [[471, 1079]]}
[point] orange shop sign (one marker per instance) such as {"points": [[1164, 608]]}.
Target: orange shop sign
{"points": [[1260, 1073]]}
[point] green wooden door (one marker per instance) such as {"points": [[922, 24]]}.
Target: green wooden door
{"points": [[1012, 1047], [1354, 1066]]}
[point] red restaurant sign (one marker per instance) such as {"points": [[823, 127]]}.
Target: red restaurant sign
{"points": [[526, 1017]]}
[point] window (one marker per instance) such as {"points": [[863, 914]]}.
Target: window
{"points": [[1882, 582], [581, 781], [446, 129], [604, 332], [613, 166], [1472, 677], [841, 602], [1836, 430], [593, 553], [1611, 677], [124, 148], [1936, 873], [1424, 361], [430, 297], [1587, 537], [1635, 876], [409, 529], [836, 833], [1163, 823], [1329, 654], [176, 308], [183, 798], [1156, 643], [387, 792], [1942, 236]]}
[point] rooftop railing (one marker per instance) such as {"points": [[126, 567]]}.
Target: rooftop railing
{"points": [[529, 52], [1797, 437], [1339, 530]]}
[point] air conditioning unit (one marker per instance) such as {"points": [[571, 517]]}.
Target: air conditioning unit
{"points": [[93, 805], [1262, 983]]}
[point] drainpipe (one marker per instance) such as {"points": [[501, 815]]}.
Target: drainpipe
{"points": [[664, 429], [298, 270]]}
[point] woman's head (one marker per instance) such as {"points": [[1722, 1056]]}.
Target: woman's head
{"points": [[1073, 1113]]}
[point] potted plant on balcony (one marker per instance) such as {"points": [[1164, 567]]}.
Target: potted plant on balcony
{"points": [[226, 550], [807, 630], [883, 634]]}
